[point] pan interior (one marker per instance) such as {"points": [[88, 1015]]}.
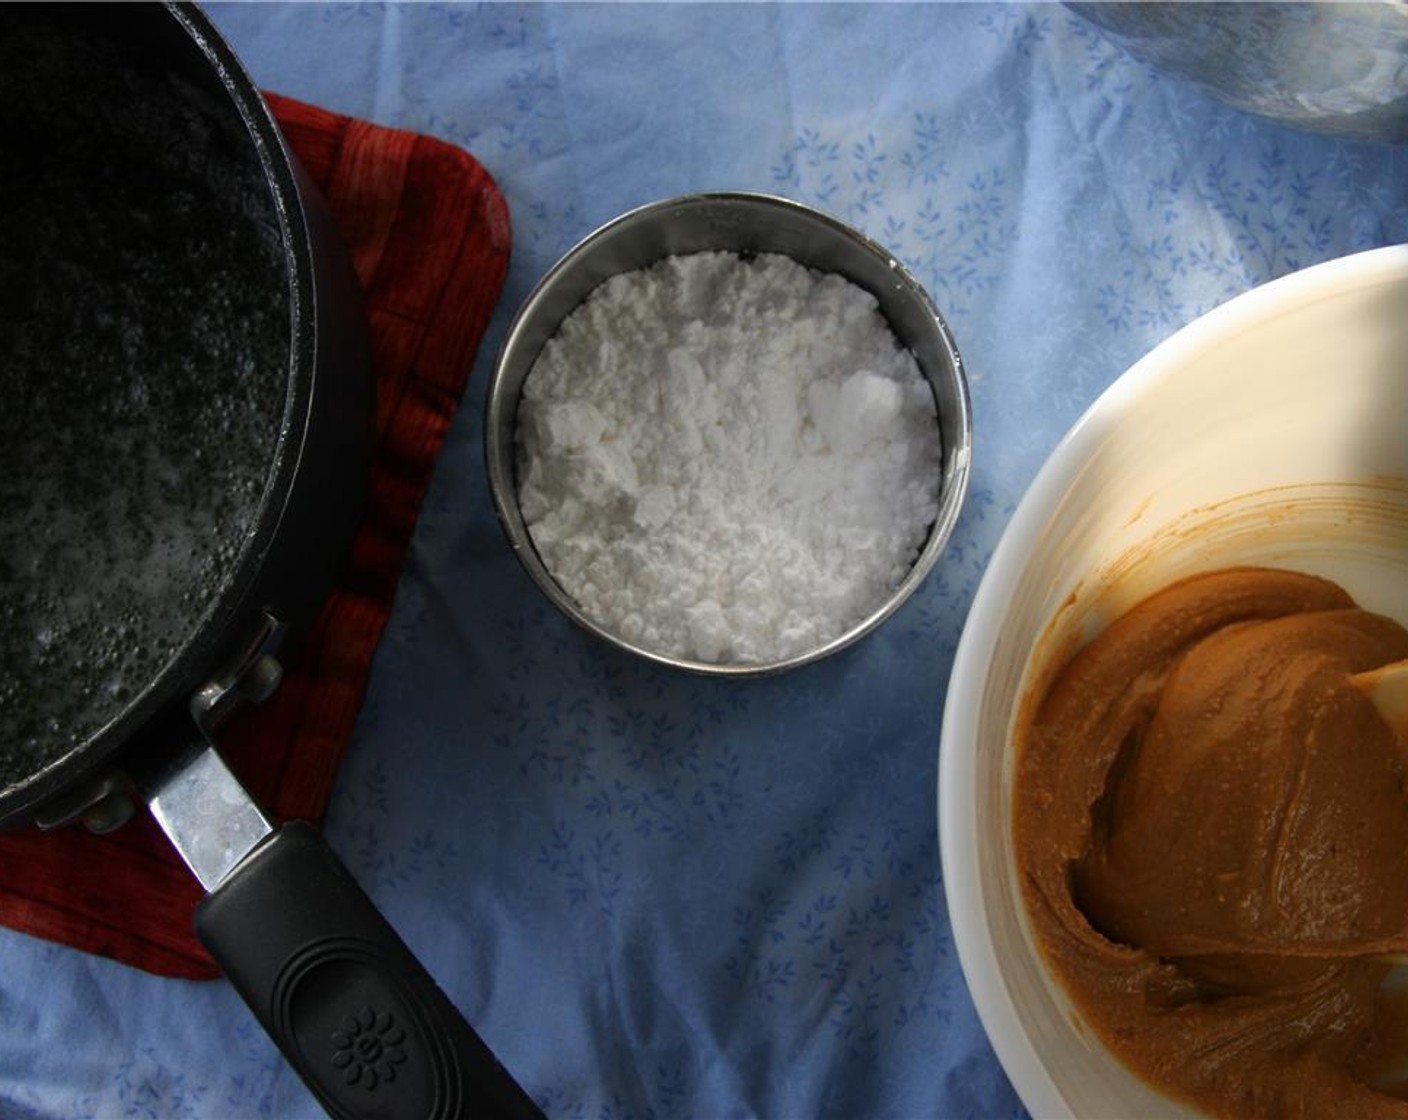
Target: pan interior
{"points": [[144, 365]]}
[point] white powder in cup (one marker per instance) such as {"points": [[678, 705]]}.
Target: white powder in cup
{"points": [[728, 460]]}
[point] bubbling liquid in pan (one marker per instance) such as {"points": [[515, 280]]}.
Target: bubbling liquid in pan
{"points": [[144, 360]]}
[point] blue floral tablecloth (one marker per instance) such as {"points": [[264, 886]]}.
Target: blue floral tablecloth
{"points": [[657, 895]]}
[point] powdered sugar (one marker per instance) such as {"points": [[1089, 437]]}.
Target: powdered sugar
{"points": [[728, 460]]}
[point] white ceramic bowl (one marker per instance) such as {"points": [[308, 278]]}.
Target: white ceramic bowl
{"points": [[1274, 430]]}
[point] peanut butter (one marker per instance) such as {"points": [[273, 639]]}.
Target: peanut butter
{"points": [[1212, 830]]}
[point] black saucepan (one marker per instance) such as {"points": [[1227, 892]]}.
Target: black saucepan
{"points": [[185, 415]]}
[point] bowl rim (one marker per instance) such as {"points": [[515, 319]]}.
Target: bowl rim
{"points": [[957, 805], [502, 483]]}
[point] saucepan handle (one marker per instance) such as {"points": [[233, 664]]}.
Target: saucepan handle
{"points": [[354, 1012]]}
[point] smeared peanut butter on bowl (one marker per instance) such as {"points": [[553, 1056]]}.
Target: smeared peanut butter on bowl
{"points": [[1211, 826]]}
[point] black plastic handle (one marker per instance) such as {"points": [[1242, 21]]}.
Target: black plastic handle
{"points": [[352, 1009]]}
